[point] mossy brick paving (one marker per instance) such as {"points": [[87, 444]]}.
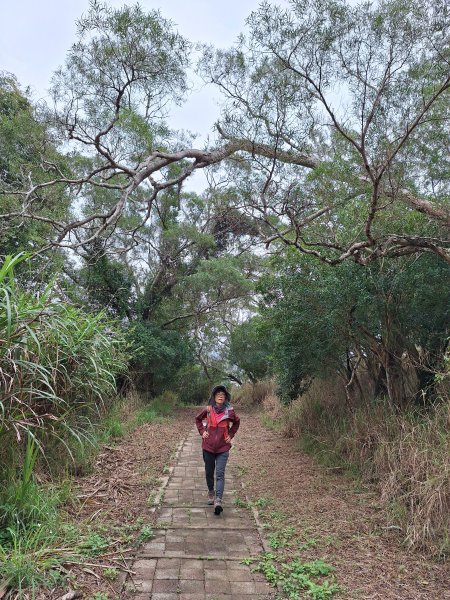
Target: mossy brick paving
{"points": [[195, 554]]}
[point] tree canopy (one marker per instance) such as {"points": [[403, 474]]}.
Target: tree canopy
{"points": [[326, 106], [331, 151]]}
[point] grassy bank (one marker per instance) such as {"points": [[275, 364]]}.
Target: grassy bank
{"points": [[39, 536], [58, 408], [406, 455]]}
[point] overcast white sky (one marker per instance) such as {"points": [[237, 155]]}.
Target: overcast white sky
{"points": [[35, 35]]}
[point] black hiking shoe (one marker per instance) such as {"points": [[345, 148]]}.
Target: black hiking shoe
{"points": [[211, 497], [218, 506]]}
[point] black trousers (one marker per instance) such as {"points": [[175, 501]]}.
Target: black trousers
{"points": [[215, 462]]}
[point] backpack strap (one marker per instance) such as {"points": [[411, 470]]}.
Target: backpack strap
{"points": [[208, 416]]}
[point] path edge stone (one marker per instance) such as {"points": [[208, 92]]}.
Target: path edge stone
{"points": [[125, 575], [259, 525], [165, 480]]}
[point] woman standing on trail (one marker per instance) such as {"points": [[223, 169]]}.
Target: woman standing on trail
{"points": [[217, 424]]}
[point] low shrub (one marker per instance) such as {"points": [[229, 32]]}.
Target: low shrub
{"points": [[156, 409], [249, 394], [165, 403]]}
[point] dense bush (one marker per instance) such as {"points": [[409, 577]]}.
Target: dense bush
{"points": [[58, 367], [58, 363], [157, 354], [391, 318], [251, 348]]}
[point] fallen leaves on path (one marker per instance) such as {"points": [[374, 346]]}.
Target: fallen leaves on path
{"points": [[115, 497], [334, 520]]}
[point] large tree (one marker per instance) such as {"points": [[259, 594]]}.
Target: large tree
{"points": [[345, 110], [387, 322], [27, 153], [327, 106]]}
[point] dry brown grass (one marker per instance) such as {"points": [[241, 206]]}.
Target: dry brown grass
{"points": [[406, 455], [415, 466], [249, 395]]}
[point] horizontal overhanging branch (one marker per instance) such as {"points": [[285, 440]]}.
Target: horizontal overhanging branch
{"points": [[303, 160]]}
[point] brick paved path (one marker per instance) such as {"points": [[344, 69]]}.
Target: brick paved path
{"points": [[195, 554]]}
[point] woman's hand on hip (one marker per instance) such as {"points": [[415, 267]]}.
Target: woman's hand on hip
{"points": [[228, 440], [205, 435]]}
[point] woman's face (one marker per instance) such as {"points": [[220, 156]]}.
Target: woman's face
{"points": [[219, 397]]}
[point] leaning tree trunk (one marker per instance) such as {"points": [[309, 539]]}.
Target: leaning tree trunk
{"points": [[401, 376]]}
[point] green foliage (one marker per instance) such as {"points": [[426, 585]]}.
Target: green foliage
{"points": [[165, 403], [93, 544], [23, 504], [251, 348], [29, 562], [319, 314], [112, 425], [157, 409], [110, 573], [157, 355], [146, 533], [240, 503], [59, 363], [191, 384], [295, 577], [263, 502], [282, 567], [148, 415], [127, 58], [30, 529], [270, 423], [189, 272], [27, 150], [109, 285], [383, 133], [282, 538]]}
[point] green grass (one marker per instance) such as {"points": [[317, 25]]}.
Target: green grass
{"points": [[156, 410], [148, 415], [146, 533], [110, 573], [93, 544], [25, 506], [240, 503], [327, 457], [282, 538], [284, 566], [34, 541], [263, 502], [59, 364], [113, 427], [29, 561], [270, 423], [295, 577]]}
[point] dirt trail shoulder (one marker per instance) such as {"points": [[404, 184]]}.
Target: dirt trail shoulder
{"points": [[334, 519], [114, 503]]}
